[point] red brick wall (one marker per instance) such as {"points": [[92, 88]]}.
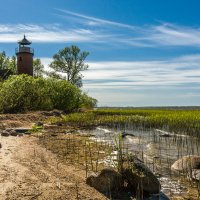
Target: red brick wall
{"points": [[25, 63]]}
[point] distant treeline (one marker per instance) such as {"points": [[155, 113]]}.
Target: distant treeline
{"points": [[154, 108]]}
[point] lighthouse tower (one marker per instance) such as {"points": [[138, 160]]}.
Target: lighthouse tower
{"points": [[24, 55]]}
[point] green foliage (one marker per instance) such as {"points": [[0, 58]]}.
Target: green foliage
{"points": [[4, 60], [23, 92], [88, 102], [7, 65], [36, 129], [178, 121], [38, 68], [70, 62]]}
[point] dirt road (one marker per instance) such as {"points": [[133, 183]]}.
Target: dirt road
{"points": [[28, 171]]}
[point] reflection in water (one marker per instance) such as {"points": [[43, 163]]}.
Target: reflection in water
{"points": [[157, 148]]}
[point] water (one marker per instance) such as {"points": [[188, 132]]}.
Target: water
{"points": [[158, 149]]}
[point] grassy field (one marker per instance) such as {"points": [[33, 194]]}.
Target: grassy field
{"points": [[177, 121]]}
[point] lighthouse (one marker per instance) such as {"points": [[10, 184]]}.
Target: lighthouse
{"points": [[24, 55]]}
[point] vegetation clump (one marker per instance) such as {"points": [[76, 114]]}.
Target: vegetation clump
{"points": [[21, 93], [176, 121]]}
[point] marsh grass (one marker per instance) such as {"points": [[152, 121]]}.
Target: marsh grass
{"points": [[177, 121], [183, 124]]}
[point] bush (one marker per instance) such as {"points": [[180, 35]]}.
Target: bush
{"points": [[21, 93]]}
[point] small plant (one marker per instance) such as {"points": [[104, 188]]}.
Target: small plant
{"points": [[36, 129], [119, 146]]}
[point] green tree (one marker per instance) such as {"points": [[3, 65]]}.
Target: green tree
{"points": [[7, 65], [38, 68], [13, 64], [70, 62], [4, 61]]}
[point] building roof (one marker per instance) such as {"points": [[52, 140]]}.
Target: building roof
{"points": [[24, 41]]}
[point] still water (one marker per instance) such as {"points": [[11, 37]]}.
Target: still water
{"points": [[158, 149]]}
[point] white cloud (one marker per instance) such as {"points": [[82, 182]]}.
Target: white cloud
{"points": [[140, 83], [127, 35], [177, 72], [93, 21], [46, 33], [164, 34], [174, 35]]}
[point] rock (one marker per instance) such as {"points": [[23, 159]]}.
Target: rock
{"points": [[22, 130], [165, 135], [195, 174], [106, 181], [5, 133], [186, 163], [20, 134], [53, 135], [124, 134], [140, 177], [8, 129], [39, 123], [160, 196], [53, 113], [13, 133], [26, 133], [59, 124], [0, 145]]}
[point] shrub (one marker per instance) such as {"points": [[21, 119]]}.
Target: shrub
{"points": [[23, 92]]}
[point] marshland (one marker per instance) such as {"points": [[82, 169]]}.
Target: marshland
{"points": [[64, 152], [158, 137]]}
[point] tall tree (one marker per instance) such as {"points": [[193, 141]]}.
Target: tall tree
{"points": [[70, 62], [38, 68], [13, 64], [4, 61], [7, 65]]}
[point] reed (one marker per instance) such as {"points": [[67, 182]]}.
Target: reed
{"points": [[177, 121]]}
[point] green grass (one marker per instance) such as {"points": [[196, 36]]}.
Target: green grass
{"points": [[178, 121]]}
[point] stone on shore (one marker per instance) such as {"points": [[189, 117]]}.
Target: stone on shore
{"points": [[141, 178], [108, 180], [13, 133], [195, 174], [186, 163], [5, 133]]}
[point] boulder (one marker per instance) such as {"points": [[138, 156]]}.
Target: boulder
{"points": [[195, 174], [140, 178], [5, 133], [108, 180], [13, 133], [186, 163]]}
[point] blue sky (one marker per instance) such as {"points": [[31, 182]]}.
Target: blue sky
{"points": [[142, 52]]}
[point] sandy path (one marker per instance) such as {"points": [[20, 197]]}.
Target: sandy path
{"points": [[28, 171]]}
